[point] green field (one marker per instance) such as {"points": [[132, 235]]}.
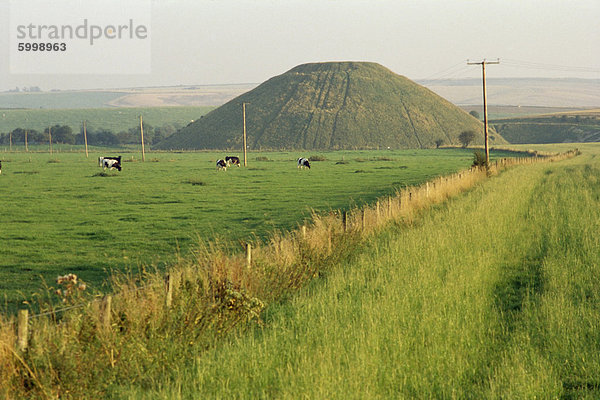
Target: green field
{"points": [[113, 119], [58, 215], [492, 295]]}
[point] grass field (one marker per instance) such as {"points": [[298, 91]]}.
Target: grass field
{"points": [[60, 215], [114, 119], [492, 295]]}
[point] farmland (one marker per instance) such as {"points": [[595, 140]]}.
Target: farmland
{"points": [[488, 295], [492, 295], [113, 119], [60, 215]]}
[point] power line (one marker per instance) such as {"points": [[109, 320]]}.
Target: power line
{"points": [[547, 67]]}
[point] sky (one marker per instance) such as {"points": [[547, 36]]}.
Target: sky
{"points": [[201, 42]]}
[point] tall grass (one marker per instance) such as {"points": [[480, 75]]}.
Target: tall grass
{"points": [[413, 311], [493, 295]]}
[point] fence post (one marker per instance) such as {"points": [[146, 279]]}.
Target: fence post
{"points": [[389, 206], [169, 290], [303, 231], [427, 189], [363, 218], [377, 207], [22, 329], [248, 255], [345, 220], [105, 312]]}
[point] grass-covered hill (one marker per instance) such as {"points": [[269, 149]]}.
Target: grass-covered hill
{"points": [[570, 127], [335, 105]]}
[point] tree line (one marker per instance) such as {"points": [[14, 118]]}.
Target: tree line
{"points": [[63, 134]]}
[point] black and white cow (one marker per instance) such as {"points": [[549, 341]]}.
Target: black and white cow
{"points": [[221, 165], [111, 164], [232, 160], [0, 167], [101, 159], [303, 162]]}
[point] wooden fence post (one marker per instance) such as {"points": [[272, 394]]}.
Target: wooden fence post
{"points": [[345, 220], [377, 207], [169, 290], [427, 189], [248, 255], [389, 206], [363, 218], [105, 307], [22, 329], [304, 232]]}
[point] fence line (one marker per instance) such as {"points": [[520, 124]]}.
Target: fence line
{"points": [[408, 199]]}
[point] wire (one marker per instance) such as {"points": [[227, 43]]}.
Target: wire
{"points": [[547, 67]]}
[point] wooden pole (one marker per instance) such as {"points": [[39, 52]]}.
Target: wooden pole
{"points": [[85, 138], [50, 137], [303, 231], [10, 141], [245, 146], [169, 290], [142, 133], [248, 255], [26, 148], [363, 218], [105, 312], [22, 329], [345, 220], [485, 114]]}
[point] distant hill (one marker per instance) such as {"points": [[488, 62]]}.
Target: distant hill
{"points": [[335, 105], [567, 127]]}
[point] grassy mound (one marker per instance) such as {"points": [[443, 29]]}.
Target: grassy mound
{"points": [[336, 105]]}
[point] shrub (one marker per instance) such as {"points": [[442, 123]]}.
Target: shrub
{"points": [[479, 159]]}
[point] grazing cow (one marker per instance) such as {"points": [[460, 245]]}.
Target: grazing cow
{"points": [[221, 165], [232, 160], [303, 162], [111, 164], [0, 167], [101, 159]]}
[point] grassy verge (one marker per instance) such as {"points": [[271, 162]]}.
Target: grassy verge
{"points": [[492, 295], [145, 348]]}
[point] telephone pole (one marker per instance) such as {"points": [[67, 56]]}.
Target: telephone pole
{"points": [[244, 118], [485, 115]]}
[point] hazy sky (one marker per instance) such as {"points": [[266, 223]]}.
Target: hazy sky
{"points": [[249, 41]]}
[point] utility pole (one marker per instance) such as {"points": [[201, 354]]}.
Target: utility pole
{"points": [[85, 139], [485, 115], [244, 118], [142, 133]]}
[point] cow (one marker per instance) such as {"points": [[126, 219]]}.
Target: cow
{"points": [[232, 160], [0, 167], [101, 159], [221, 165], [111, 164], [303, 162]]}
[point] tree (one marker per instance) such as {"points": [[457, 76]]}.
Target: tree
{"points": [[438, 143], [466, 137], [474, 114], [62, 134]]}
